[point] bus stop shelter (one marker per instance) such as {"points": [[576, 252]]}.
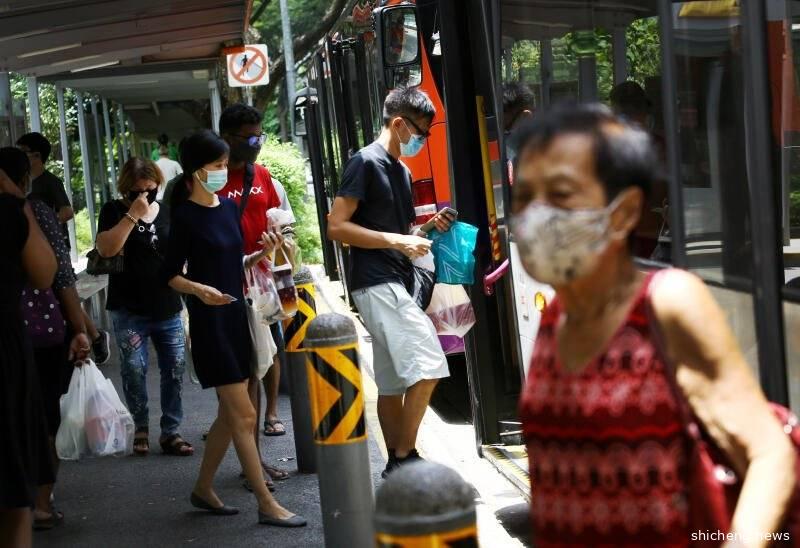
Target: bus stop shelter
{"points": [[136, 68]]}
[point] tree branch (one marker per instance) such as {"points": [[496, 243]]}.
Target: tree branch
{"points": [[302, 45], [260, 11]]}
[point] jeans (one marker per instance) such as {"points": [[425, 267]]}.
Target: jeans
{"points": [[132, 333]]}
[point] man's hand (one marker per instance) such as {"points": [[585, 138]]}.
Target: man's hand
{"points": [[444, 220], [79, 347], [7, 186], [270, 241], [412, 247]]}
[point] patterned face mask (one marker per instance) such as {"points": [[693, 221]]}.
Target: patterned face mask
{"points": [[557, 245]]}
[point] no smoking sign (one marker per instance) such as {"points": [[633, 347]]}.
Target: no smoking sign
{"points": [[249, 67]]}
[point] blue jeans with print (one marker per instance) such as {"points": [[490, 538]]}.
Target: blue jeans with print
{"points": [[132, 333]]}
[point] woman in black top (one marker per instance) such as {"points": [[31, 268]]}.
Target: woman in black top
{"points": [[142, 306], [25, 256], [206, 262]]}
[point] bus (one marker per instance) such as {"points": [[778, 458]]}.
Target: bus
{"points": [[720, 81]]}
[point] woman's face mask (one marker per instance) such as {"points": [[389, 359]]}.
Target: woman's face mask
{"points": [[214, 180], [558, 245]]}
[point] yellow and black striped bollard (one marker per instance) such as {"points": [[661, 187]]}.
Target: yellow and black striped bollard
{"points": [[340, 432], [296, 356]]}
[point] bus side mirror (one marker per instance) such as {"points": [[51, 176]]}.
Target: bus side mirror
{"points": [[397, 35], [302, 101]]}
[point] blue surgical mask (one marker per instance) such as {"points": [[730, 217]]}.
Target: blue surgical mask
{"points": [[215, 180], [413, 146]]}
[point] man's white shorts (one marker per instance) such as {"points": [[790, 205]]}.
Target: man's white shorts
{"points": [[405, 347]]}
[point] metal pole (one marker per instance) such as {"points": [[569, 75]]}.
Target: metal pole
{"points": [[216, 105], [7, 103], [100, 152], [123, 136], [620, 58], [296, 358], [110, 147], [587, 78], [33, 102], [425, 504], [87, 175], [340, 433], [288, 55], [62, 131], [546, 68]]}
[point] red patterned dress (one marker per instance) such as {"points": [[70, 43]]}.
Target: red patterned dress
{"points": [[606, 445]]}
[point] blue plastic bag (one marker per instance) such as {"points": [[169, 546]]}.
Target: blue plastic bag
{"points": [[452, 252]]}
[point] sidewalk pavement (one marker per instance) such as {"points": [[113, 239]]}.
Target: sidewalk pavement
{"points": [[143, 501]]}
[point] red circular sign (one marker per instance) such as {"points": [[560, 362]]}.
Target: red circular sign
{"points": [[249, 67]]}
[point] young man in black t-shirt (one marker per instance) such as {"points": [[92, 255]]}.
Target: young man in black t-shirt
{"points": [[373, 213], [50, 189]]}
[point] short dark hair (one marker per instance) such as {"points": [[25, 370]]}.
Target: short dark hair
{"points": [[163, 139], [196, 150], [407, 101], [623, 153], [629, 99], [236, 116], [15, 163], [517, 96], [36, 142]]}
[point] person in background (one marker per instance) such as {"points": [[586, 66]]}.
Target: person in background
{"points": [[652, 239], [170, 169], [373, 213], [240, 126], [50, 189], [53, 361], [142, 307], [618, 354], [206, 262], [24, 461], [518, 106]]}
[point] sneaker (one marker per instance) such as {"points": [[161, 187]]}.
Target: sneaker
{"points": [[101, 347], [391, 464], [412, 456]]}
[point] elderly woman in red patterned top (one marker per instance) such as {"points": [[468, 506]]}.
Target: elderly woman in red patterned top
{"points": [[620, 351]]}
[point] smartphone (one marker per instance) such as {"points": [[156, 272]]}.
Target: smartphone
{"points": [[430, 225]]}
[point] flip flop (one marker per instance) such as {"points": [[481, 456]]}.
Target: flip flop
{"points": [[268, 483], [271, 430], [56, 518], [275, 473]]}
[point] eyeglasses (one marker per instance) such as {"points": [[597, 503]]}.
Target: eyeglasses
{"points": [[252, 140], [424, 134]]}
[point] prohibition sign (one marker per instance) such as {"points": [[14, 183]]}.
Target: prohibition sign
{"points": [[249, 68]]}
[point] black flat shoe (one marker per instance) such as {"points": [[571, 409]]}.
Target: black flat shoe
{"points": [[223, 510], [294, 521]]}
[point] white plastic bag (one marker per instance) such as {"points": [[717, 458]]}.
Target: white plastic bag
{"points": [[94, 421], [451, 310], [258, 303], [262, 290]]}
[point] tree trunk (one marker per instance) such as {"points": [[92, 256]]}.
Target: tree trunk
{"points": [[301, 46]]}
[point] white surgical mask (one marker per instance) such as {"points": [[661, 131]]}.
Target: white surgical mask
{"points": [[558, 245], [215, 180]]}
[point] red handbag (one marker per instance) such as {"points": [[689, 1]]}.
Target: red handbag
{"points": [[712, 483]]}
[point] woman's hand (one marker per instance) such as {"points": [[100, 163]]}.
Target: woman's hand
{"points": [[79, 347], [140, 207], [270, 241], [211, 296]]}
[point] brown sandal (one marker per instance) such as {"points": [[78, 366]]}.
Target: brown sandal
{"points": [[176, 446], [141, 443]]}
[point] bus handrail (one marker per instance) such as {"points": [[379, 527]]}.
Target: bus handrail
{"points": [[491, 278]]}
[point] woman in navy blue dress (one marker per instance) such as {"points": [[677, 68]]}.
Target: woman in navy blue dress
{"points": [[206, 239]]}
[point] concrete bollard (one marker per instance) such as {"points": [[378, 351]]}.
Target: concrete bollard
{"points": [[296, 357], [340, 432], [425, 505]]}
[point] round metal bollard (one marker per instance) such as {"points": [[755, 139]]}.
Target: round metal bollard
{"points": [[425, 505], [340, 432], [294, 334]]}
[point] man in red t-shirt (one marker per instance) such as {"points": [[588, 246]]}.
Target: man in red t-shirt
{"points": [[240, 126]]}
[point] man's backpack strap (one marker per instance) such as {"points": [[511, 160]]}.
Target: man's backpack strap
{"points": [[247, 186]]}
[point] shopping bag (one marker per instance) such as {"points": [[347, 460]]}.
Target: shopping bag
{"points": [[451, 344], [261, 289], [424, 280], [94, 421], [450, 310], [452, 251]]}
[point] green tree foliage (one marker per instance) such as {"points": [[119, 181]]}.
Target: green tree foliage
{"points": [[287, 166]]}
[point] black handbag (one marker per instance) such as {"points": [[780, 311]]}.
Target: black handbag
{"points": [[99, 265]]}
